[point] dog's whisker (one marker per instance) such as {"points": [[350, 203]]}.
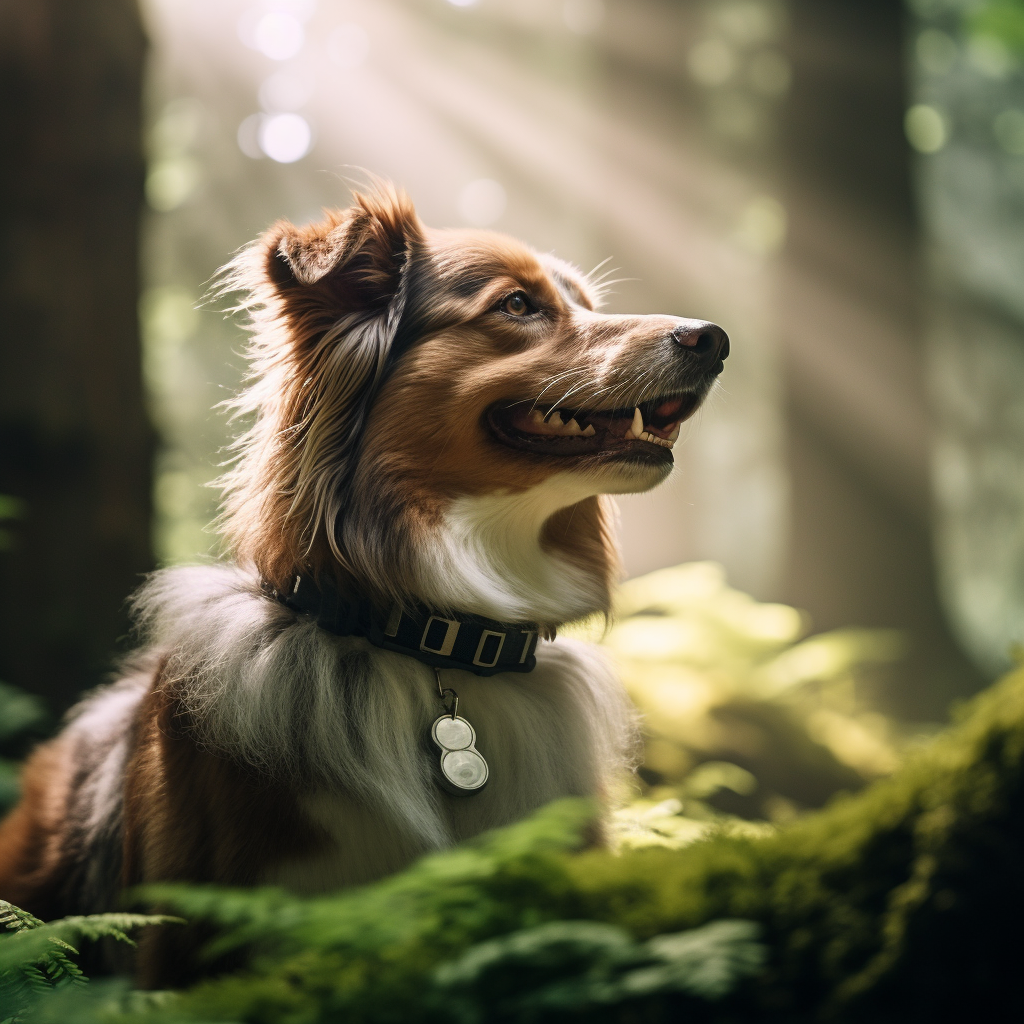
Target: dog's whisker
{"points": [[551, 381]]}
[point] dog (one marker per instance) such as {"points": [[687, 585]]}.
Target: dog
{"points": [[436, 419]]}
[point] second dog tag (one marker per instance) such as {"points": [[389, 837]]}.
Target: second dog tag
{"points": [[463, 769]]}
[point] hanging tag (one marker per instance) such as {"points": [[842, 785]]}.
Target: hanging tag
{"points": [[463, 769]]}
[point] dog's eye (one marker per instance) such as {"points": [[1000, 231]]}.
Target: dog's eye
{"points": [[516, 304]]}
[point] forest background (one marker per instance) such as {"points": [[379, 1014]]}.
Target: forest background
{"points": [[841, 184]]}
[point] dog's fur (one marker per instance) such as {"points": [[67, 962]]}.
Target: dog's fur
{"points": [[246, 745]]}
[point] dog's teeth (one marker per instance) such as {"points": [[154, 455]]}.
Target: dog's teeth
{"points": [[645, 436], [589, 430], [555, 419], [537, 417], [638, 423], [674, 436], [629, 435], [573, 428]]}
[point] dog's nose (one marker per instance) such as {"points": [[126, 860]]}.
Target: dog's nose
{"points": [[705, 340]]}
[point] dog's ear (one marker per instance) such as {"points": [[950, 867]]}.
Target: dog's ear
{"points": [[326, 302], [353, 259]]}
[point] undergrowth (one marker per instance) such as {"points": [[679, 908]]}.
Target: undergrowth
{"points": [[36, 958], [899, 903]]}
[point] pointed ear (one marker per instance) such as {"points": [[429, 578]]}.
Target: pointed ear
{"points": [[354, 257]]}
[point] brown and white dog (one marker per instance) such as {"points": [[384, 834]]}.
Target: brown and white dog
{"points": [[436, 416]]}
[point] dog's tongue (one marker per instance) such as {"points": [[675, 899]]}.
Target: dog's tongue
{"points": [[665, 418], [670, 410]]}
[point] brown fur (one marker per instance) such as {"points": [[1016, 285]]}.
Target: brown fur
{"points": [[193, 817], [33, 858]]}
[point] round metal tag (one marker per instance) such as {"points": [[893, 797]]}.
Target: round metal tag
{"points": [[453, 733], [463, 769]]}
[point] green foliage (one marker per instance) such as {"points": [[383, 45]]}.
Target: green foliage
{"points": [[1002, 20], [898, 903], [10, 508], [35, 958], [21, 719], [742, 713], [483, 933], [587, 967]]}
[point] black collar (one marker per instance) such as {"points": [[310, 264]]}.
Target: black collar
{"points": [[470, 642]]}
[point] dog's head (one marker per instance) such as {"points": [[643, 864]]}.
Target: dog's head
{"points": [[437, 414]]}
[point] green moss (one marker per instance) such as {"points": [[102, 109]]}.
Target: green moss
{"points": [[897, 903]]}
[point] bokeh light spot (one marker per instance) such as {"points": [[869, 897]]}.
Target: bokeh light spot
{"points": [[482, 202], [249, 137], [926, 128], [178, 128], [170, 182], [712, 62], [935, 51], [279, 36], [462, 3], [748, 22], [762, 226], [990, 56], [348, 45], [583, 16], [285, 137]]}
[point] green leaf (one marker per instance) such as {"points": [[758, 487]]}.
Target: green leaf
{"points": [[18, 711]]}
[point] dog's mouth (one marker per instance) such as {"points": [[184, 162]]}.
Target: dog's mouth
{"points": [[650, 428]]}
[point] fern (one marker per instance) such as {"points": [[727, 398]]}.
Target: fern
{"points": [[450, 896], [35, 956], [588, 967]]}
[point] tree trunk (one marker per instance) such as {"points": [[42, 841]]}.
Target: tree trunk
{"points": [[75, 439]]}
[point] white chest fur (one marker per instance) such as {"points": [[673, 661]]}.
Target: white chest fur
{"points": [[561, 730], [488, 557]]}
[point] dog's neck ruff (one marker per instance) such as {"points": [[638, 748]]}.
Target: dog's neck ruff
{"points": [[468, 642]]}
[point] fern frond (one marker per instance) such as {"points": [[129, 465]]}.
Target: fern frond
{"points": [[35, 954], [15, 919]]}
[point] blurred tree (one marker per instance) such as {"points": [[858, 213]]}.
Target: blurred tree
{"points": [[75, 440], [858, 422]]}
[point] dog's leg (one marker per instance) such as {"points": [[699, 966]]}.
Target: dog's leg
{"points": [[33, 853], [192, 816]]}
